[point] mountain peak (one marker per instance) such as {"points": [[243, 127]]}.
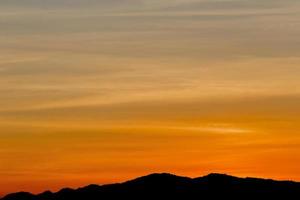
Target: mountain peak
{"points": [[168, 186], [157, 179], [159, 176], [219, 175]]}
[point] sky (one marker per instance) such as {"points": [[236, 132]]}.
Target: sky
{"points": [[101, 91]]}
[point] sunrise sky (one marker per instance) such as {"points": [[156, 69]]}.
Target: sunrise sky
{"points": [[101, 91]]}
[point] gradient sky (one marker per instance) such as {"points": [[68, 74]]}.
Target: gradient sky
{"points": [[99, 91]]}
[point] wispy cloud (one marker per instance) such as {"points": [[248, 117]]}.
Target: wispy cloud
{"points": [[214, 128]]}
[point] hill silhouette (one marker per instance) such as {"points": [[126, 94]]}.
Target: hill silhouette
{"points": [[168, 186]]}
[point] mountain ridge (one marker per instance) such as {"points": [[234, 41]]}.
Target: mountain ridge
{"points": [[166, 185]]}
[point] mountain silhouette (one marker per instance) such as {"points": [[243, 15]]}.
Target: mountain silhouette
{"points": [[168, 186]]}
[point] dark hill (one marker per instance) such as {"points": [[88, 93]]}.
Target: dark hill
{"points": [[168, 186]]}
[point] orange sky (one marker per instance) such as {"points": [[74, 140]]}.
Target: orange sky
{"points": [[102, 92]]}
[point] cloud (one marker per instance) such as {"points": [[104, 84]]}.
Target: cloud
{"points": [[214, 128]]}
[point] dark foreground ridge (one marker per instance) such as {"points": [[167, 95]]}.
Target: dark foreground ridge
{"points": [[168, 186]]}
